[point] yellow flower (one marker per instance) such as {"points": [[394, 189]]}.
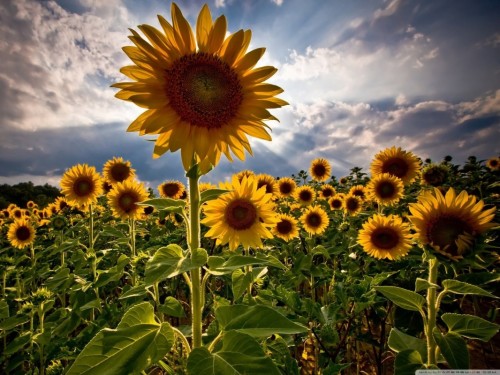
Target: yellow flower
{"points": [[241, 216], [171, 189], [304, 195], [337, 201], [314, 220], [352, 204], [286, 228], [385, 237], [243, 173], [493, 164], [385, 189], [81, 185], [117, 170], [21, 233], [202, 94], [327, 191], [286, 187], [268, 181], [123, 199], [358, 191], [320, 169], [397, 162], [449, 223]]}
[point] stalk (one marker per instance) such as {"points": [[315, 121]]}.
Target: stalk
{"points": [[133, 250], [431, 313]]}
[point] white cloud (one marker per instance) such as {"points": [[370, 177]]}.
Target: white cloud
{"points": [[278, 2]]}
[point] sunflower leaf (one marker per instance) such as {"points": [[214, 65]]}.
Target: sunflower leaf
{"points": [[470, 326], [453, 347], [210, 194], [460, 287], [163, 203], [402, 297]]}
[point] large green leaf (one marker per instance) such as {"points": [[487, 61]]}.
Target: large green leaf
{"points": [[459, 287], [454, 349], [408, 362], [210, 194], [402, 297], [239, 282], [114, 273], [135, 344], [219, 266], [4, 309], [240, 354], [169, 261], [172, 307], [400, 341], [256, 320], [470, 326], [164, 203]]}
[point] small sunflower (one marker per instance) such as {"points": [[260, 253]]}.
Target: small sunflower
{"points": [[385, 189], [172, 189], [493, 164], [449, 223], [123, 199], [286, 187], [352, 204], [206, 186], [314, 220], [61, 203], [327, 191], [31, 205], [268, 181], [385, 237], [117, 170], [286, 228], [320, 169], [200, 90], [21, 233], [337, 201], [244, 215], [304, 195], [244, 173], [81, 184], [358, 191], [397, 162], [435, 174], [17, 213]]}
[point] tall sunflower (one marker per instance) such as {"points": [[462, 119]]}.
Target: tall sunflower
{"points": [[320, 169], [397, 162], [286, 228], [286, 187], [304, 195], [171, 189], [117, 170], [123, 199], [327, 191], [385, 189], [352, 204], [449, 223], [81, 184], [385, 237], [314, 220], [244, 215], [21, 233], [202, 94]]}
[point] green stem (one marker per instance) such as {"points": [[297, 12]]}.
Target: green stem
{"points": [[157, 301], [194, 244], [184, 341], [133, 250], [431, 313], [248, 270], [93, 254]]}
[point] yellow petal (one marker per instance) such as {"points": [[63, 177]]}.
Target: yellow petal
{"points": [[217, 35], [182, 31], [203, 27]]}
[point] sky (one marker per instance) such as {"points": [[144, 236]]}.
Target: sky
{"points": [[360, 76]]}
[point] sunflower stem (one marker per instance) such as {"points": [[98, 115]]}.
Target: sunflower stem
{"points": [[93, 255], [194, 244], [431, 313], [133, 250]]}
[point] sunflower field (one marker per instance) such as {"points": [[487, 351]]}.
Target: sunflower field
{"points": [[385, 271]]}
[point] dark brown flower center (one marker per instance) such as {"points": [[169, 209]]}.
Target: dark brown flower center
{"points": [[359, 193], [384, 238], [445, 231], [120, 172], [305, 196], [327, 192], [203, 90], [285, 188], [313, 219], [284, 227], [434, 176], [83, 186], [23, 233], [269, 187], [385, 189], [352, 204], [395, 166], [127, 201], [319, 170], [336, 204], [240, 214], [18, 214], [170, 189]]}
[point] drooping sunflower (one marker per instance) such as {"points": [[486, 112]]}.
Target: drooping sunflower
{"points": [[449, 223], [314, 220], [358, 191], [117, 170], [435, 174], [21, 233], [81, 185], [337, 201], [243, 216], [385, 189], [493, 164], [286, 228], [320, 169], [385, 237], [268, 181], [123, 199], [327, 191], [171, 189], [304, 195], [352, 204], [397, 162], [286, 187], [202, 94]]}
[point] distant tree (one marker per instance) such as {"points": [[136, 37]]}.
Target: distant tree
{"points": [[23, 192]]}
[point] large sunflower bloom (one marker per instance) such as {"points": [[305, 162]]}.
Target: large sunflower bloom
{"points": [[81, 185], [202, 95], [320, 169], [385, 189], [449, 223], [286, 228], [397, 162], [385, 237], [21, 233], [314, 220], [171, 189], [244, 215], [123, 199], [117, 170]]}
